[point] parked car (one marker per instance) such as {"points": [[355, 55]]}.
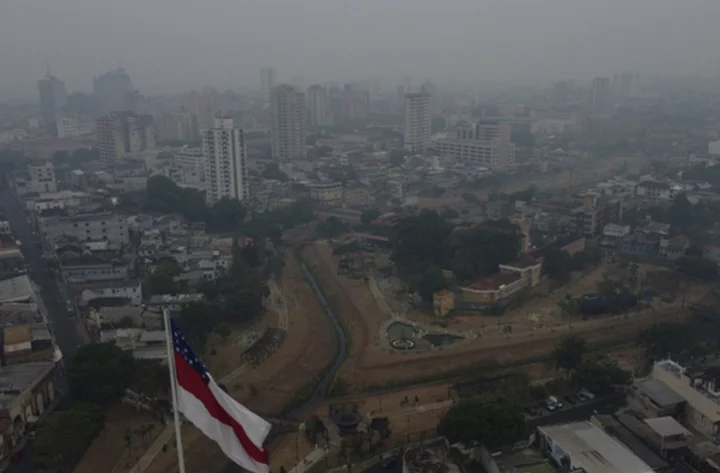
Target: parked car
{"points": [[585, 395], [552, 403]]}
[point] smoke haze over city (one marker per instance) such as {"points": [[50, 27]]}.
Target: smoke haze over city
{"points": [[176, 45]]}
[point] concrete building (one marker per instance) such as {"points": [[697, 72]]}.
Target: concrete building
{"points": [[53, 97], [486, 144], [267, 80], [177, 127], [326, 192], [129, 289], [86, 227], [318, 110], [111, 91], [120, 133], [226, 170], [188, 168], [418, 122], [492, 289], [71, 128], [600, 99], [582, 445], [42, 177], [88, 268], [527, 267], [287, 108]]}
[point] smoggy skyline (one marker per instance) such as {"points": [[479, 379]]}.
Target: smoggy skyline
{"points": [[169, 46]]}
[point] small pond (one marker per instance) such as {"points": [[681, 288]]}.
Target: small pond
{"points": [[441, 339], [401, 331]]}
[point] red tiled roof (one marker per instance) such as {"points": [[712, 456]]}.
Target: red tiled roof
{"points": [[523, 262], [493, 282]]}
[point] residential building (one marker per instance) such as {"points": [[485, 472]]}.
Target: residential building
{"points": [[86, 227], [418, 122], [326, 192], [651, 190], [188, 168], [125, 316], [173, 302], [613, 233], [26, 392], [600, 99], [591, 217], [226, 170], [89, 268], [318, 111], [129, 289], [554, 123], [53, 97], [16, 289], [11, 261], [267, 80], [71, 128], [111, 91], [181, 126], [356, 195], [287, 108], [702, 411], [654, 398], [486, 144], [583, 446], [27, 343], [42, 177], [675, 247], [142, 344], [120, 133]]}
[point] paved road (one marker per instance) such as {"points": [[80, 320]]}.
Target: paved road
{"points": [[64, 327]]}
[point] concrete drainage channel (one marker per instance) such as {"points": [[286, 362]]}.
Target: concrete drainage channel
{"points": [[342, 350]]}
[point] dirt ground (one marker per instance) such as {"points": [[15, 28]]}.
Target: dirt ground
{"points": [[371, 364], [307, 350], [109, 451]]}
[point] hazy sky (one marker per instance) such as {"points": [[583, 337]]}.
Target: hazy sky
{"points": [[171, 45]]}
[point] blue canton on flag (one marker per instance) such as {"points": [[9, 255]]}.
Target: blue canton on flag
{"points": [[183, 348]]}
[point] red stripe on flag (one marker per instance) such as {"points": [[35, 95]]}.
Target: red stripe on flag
{"points": [[191, 381]]}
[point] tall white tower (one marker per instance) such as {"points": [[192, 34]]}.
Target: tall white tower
{"points": [[287, 106], [226, 171], [267, 80], [418, 121]]}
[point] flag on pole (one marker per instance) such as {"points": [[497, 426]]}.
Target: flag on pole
{"points": [[239, 432]]}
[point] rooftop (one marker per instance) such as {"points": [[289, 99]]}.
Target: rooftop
{"points": [[493, 282], [15, 379], [523, 262], [659, 392], [654, 185], [176, 298], [666, 426], [17, 289], [17, 334], [593, 450]]}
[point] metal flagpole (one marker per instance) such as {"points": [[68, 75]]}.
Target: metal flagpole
{"points": [[173, 389]]}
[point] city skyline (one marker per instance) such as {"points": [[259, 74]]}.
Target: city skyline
{"points": [[548, 39]]}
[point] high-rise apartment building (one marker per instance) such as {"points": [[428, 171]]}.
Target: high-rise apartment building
{"points": [[600, 99], [318, 110], [53, 97], [112, 90], [485, 144], [119, 133], [181, 126], [226, 171], [267, 80], [287, 107], [418, 121]]}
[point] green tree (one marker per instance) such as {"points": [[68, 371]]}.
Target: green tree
{"points": [[99, 373], [272, 171], [427, 281], [569, 354], [420, 238], [492, 421], [161, 279], [599, 376], [226, 215], [63, 438], [369, 215], [331, 227], [700, 268], [479, 250], [397, 157], [557, 263], [606, 286], [666, 339]]}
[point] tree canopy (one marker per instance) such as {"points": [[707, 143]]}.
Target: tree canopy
{"points": [[272, 171], [369, 215], [568, 354], [99, 373], [63, 438], [492, 421], [331, 227], [700, 268]]}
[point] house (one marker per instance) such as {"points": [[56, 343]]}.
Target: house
{"points": [[142, 344], [125, 316], [527, 267], [655, 399], [173, 302], [656, 191], [26, 343], [94, 226], [492, 289], [11, 261], [443, 302], [641, 244], [129, 289], [675, 247], [16, 289], [89, 268], [26, 392], [613, 233]]}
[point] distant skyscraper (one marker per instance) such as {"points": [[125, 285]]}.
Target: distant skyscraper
{"points": [[431, 89], [485, 144], [120, 133], [226, 170], [561, 92], [112, 90], [600, 93], [318, 106], [418, 120], [287, 107], [267, 80], [53, 98]]}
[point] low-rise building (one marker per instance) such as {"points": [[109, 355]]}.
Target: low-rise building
{"points": [[42, 177], [86, 227], [356, 195], [652, 190], [675, 247], [27, 343], [492, 289], [173, 302], [124, 317], [613, 233], [527, 267], [88, 268], [11, 261], [582, 445], [130, 290], [142, 344], [326, 192]]}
